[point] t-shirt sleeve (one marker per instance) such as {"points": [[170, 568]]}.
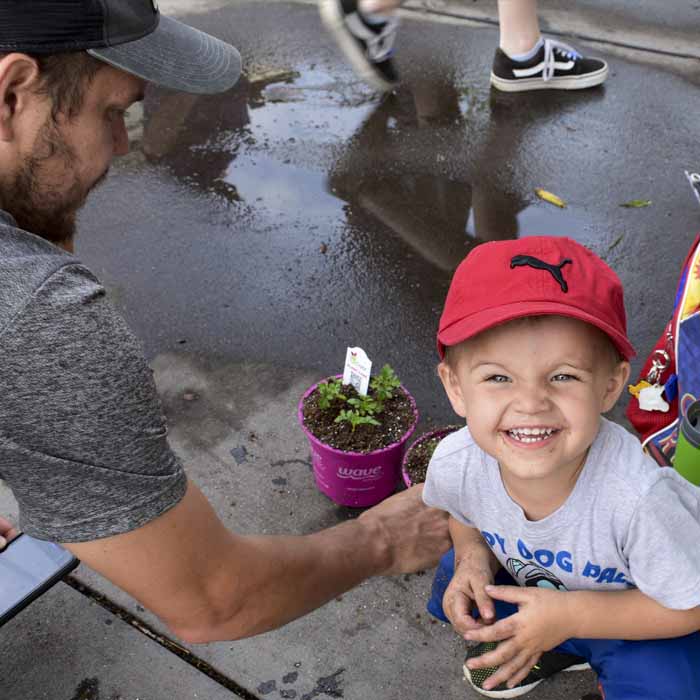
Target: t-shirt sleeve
{"points": [[663, 542], [443, 486], [83, 439]]}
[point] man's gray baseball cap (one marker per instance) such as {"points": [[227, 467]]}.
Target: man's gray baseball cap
{"points": [[128, 34]]}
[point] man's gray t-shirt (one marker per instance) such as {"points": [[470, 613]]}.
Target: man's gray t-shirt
{"points": [[82, 434], [627, 522]]}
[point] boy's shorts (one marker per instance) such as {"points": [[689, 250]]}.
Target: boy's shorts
{"points": [[641, 670]]}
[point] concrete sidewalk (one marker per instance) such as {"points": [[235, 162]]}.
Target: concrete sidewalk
{"points": [[265, 230]]}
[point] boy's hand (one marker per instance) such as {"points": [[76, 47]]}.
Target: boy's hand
{"points": [[543, 621], [466, 589]]}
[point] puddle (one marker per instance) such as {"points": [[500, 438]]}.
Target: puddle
{"points": [[269, 149]]}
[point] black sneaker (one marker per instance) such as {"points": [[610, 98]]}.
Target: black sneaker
{"points": [[556, 66], [550, 663], [368, 47]]}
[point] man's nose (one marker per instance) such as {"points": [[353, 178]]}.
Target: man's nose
{"points": [[121, 138]]}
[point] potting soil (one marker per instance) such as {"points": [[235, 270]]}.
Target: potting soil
{"points": [[396, 418]]}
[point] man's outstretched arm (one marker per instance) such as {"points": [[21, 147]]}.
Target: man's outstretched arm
{"points": [[209, 584]]}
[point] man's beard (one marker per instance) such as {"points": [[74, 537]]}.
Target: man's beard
{"points": [[43, 205]]}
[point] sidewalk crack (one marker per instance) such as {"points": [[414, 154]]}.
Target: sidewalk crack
{"points": [[173, 647]]}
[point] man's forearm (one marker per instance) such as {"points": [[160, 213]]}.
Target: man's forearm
{"points": [[210, 584], [315, 567], [627, 615]]}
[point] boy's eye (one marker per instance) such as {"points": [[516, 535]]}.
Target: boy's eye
{"points": [[564, 378], [498, 378]]}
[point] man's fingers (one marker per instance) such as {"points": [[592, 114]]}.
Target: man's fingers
{"points": [[503, 629], [7, 532], [416, 534]]}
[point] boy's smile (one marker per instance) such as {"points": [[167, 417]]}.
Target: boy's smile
{"points": [[532, 392]]}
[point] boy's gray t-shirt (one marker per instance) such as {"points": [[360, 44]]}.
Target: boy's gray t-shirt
{"points": [[82, 434], [627, 522]]}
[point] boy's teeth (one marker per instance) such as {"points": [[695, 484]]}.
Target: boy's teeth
{"points": [[531, 434]]}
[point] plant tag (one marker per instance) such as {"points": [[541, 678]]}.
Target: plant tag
{"points": [[650, 399], [357, 370]]}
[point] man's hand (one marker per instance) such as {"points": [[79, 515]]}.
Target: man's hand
{"points": [[468, 588], [415, 536], [543, 621], [7, 532]]}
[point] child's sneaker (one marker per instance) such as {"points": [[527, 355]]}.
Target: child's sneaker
{"points": [[551, 662], [366, 44], [555, 66]]}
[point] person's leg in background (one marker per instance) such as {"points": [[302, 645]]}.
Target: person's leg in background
{"points": [[519, 25], [525, 61], [365, 31]]}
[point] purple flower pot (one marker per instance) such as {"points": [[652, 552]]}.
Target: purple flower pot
{"points": [[438, 432], [356, 479]]}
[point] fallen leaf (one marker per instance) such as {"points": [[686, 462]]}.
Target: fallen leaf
{"points": [[551, 198], [637, 203], [616, 242]]}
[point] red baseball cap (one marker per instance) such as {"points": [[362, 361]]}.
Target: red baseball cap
{"points": [[536, 276]]}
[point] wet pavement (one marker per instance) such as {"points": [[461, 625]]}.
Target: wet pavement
{"points": [[301, 213], [250, 237]]}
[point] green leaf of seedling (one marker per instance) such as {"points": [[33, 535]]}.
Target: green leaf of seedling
{"points": [[637, 204], [329, 392]]}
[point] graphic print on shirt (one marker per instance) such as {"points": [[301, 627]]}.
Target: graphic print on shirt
{"points": [[533, 576], [534, 566]]}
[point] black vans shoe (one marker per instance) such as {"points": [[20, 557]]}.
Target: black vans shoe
{"points": [[555, 67], [368, 47]]}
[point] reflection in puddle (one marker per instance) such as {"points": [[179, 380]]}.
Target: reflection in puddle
{"points": [[433, 165]]}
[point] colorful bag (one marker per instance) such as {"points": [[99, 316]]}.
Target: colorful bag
{"points": [[673, 364]]}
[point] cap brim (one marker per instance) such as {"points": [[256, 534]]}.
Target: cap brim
{"points": [[178, 57], [488, 318]]}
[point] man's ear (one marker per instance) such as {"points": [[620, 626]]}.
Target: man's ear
{"points": [[19, 78], [453, 389], [616, 383]]}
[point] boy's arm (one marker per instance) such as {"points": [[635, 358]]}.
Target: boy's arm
{"points": [[470, 545], [475, 567], [628, 615], [546, 618]]}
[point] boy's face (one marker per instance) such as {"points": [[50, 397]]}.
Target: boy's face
{"points": [[532, 392]]}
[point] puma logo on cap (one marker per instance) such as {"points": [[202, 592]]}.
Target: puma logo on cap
{"points": [[555, 270]]}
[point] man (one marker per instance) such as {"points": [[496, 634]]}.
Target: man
{"points": [[82, 437]]}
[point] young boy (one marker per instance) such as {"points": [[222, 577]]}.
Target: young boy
{"points": [[604, 544]]}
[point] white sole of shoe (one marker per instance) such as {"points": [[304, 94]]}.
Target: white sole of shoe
{"points": [[515, 692], [561, 83], [333, 19]]}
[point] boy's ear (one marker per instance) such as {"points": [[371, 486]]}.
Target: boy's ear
{"points": [[616, 383], [19, 76], [453, 389]]}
